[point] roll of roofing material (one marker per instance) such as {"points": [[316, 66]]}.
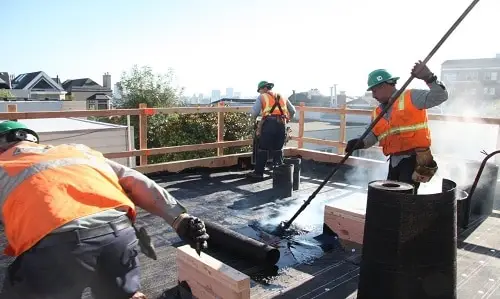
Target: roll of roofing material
{"points": [[409, 244], [238, 244]]}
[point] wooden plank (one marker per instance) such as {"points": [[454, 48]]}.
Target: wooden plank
{"points": [[210, 278], [210, 162], [11, 107], [342, 130], [318, 156], [186, 110], [63, 114], [220, 130], [179, 148], [301, 124], [349, 225], [143, 133]]}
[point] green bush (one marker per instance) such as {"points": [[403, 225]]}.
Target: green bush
{"points": [[187, 129]]}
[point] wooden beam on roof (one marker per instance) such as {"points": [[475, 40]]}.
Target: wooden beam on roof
{"points": [[334, 158], [178, 149], [210, 278], [349, 225], [209, 162]]}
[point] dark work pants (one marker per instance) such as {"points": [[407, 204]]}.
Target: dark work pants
{"points": [[107, 264], [403, 171], [271, 140]]}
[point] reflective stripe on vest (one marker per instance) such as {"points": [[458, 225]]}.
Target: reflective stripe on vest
{"points": [[14, 181], [42, 188], [268, 103], [405, 128]]}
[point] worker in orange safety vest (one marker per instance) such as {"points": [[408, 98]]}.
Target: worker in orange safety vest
{"points": [[68, 214], [276, 112], [403, 132]]}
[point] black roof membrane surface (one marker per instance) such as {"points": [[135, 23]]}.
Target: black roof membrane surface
{"points": [[311, 265]]}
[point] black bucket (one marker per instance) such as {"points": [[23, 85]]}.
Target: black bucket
{"points": [[409, 244], [296, 171], [283, 180]]}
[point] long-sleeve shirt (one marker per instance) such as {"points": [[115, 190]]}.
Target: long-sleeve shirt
{"points": [[421, 99], [257, 107], [140, 189]]}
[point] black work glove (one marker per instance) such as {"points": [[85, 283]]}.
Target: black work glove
{"points": [[192, 231], [350, 147], [422, 72]]}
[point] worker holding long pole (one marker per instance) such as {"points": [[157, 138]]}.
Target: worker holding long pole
{"points": [[403, 132], [69, 219]]}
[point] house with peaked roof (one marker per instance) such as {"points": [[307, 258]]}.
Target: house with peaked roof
{"points": [[38, 86], [98, 97]]}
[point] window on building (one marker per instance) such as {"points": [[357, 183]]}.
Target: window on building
{"points": [[450, 77], [471, 76], [486, 90], [492, 91], [494, 76], [91, 106]]}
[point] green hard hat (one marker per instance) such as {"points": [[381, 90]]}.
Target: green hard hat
{"points": [[7, 126], [380, 76], [263, 84]]}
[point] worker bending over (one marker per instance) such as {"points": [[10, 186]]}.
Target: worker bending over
{"points": [[403, 132], [276, 111], [68, 214]]}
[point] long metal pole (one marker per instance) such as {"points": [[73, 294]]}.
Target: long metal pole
{"points": [[285, 225]]}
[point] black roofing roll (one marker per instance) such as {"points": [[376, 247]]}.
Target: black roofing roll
{"points": [[409, 244], [283, 180], [236, 243]]}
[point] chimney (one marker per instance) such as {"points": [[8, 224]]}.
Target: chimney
{"points": [[341, 98], [106, 80]]}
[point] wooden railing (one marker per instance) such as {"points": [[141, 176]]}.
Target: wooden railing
{"points": [[220, 160], [343, 111]]}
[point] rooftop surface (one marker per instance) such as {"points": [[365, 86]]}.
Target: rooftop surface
{"points": [[306, 271]]}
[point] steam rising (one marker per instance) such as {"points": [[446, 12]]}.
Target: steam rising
{"points": [[455, 144]]}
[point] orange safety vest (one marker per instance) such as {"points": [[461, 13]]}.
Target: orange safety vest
{"points": [[267, 102], [406, 128], [44, 187]]}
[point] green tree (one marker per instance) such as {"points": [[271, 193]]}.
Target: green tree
{"points": [[142, 85]]}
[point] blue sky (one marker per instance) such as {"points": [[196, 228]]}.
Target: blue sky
{"points": [[214, 44]]}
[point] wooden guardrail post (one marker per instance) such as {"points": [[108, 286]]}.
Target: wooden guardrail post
{"points": [[342, 129], [220, 129], [302, 116], [143, 132], [12, 108]]}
